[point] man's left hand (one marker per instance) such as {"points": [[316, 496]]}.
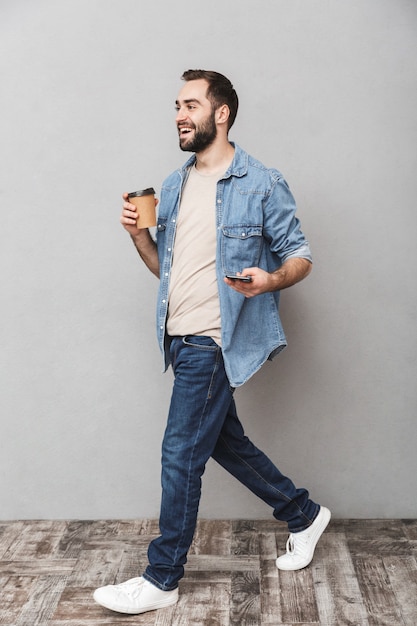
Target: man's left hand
{"points": [[290, 272], [260, 283]]}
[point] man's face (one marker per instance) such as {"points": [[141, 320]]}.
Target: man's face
{"points": [[195, 117]]}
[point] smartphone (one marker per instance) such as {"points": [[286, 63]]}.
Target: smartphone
{"points": [[244, 279]]}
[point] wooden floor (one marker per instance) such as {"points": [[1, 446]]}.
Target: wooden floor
{"points": [[364, 573]]}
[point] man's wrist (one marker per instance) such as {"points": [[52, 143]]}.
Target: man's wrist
{"points": [[275, 280], [142, 237]]}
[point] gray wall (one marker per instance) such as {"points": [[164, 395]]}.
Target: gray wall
{"points": [[328, 95]]}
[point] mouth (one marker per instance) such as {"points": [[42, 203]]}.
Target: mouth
{"points": [[184, 130]]}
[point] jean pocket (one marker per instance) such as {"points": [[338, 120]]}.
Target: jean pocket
{"points": [[201, 342]]}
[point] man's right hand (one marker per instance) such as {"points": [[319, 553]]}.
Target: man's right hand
{"points": [[130, 216], [140, 236]]}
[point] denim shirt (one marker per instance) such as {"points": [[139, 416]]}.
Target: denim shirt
{"points": [[256, 226]]}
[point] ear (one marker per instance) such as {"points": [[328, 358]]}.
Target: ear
{"points": [[222, 114]]}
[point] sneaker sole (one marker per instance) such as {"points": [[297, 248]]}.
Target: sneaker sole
{"points": [[150, 607]]}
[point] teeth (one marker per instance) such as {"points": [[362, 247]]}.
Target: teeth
{"points": [[183, 131]]}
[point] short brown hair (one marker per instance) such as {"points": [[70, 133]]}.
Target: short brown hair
{"points": [[220, 90]]}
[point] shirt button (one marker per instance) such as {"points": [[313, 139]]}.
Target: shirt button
{"points": [[163, 301], [219, 201], [166, 273], [169, 249]]}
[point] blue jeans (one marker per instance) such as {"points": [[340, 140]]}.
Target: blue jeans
{"points": [[203, 423]]}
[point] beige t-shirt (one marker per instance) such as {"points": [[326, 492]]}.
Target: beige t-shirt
{"points": [[194, 307]]}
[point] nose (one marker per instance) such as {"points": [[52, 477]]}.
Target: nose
{"points": [[181, 115]]}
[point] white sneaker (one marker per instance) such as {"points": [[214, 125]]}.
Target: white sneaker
{"points": [[136, 595], [300, 546]]}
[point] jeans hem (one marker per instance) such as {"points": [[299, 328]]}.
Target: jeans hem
{"points": [[300, 529], [157, 584]]}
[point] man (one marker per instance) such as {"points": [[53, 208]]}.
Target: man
{"points": [[222, 214]]}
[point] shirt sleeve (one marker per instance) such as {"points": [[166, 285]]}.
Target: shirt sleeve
{"points": [[281, 226], [303, 252]]}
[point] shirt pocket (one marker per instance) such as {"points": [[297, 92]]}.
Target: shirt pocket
{"points": [[241, 246]]}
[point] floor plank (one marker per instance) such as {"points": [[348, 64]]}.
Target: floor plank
{"points": [[298, 599], [402, 574], [378, 595], [337, 590], [270, 596], [245, 608]]}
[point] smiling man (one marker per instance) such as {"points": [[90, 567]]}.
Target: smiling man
{"points": [[227, 243]]}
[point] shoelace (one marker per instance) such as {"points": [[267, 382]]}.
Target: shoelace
{"points": [[290, 545], [131, 587], [293, 544]]}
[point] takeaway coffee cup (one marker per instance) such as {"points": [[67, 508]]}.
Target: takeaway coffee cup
{"points": [[144, 200]]}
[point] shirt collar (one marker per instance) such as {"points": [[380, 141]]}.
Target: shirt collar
{"points": [[238, 167]]}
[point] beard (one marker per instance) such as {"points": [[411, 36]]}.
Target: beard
{"points": [[204, 135]]}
